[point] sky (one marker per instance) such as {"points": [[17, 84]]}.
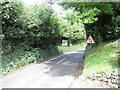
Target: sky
{"points": [[31, 2], [58, 9]]}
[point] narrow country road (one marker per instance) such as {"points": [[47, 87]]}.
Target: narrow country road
{"points": [[58, 72]]}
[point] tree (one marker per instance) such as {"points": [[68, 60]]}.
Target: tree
{"points": [[98, 18], [71, 27], [25, 28]]}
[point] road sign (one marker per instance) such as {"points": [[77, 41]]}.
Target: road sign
{"points": [[64, 42], [90, 40]]}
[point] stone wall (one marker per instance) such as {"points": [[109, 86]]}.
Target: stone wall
{"points": [[112, 80]]}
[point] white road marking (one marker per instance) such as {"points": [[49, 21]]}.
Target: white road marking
{"points": [[48, 68], [53, 58], [30, 68], [3, 79], [61, 60]]}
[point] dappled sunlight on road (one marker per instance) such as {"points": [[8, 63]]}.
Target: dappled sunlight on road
{"points": [[58, 72]]}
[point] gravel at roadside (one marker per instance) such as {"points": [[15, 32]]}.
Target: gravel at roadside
{"points": [[83, 82]]}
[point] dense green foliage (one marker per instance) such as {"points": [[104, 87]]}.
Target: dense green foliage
{"points": [[72, 28], [28, 27], [37, 26], [16, 60], [32, 33], [101, 19]]}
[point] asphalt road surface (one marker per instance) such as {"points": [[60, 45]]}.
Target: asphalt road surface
{"points": [[58, 72]]}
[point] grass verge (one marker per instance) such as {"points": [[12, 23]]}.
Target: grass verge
{"points": [[71, 47], [15, 60], [102, 59]]}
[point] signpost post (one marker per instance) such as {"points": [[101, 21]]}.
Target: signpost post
{"points": [[90, 41]]}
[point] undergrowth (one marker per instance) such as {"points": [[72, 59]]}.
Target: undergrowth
{"points": [[102, 59], [15, 60]]}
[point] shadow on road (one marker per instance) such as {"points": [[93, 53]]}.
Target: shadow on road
{"points": [[69, 64]]}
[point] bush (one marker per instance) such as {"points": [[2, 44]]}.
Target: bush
{"points": [[16, 60], [25, 28]]}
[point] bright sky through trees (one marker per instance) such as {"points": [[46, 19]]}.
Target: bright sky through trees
{"points": [[58, 9], [31, 2]]}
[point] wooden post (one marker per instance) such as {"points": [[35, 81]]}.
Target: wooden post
{"points": [[90, 46]]}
